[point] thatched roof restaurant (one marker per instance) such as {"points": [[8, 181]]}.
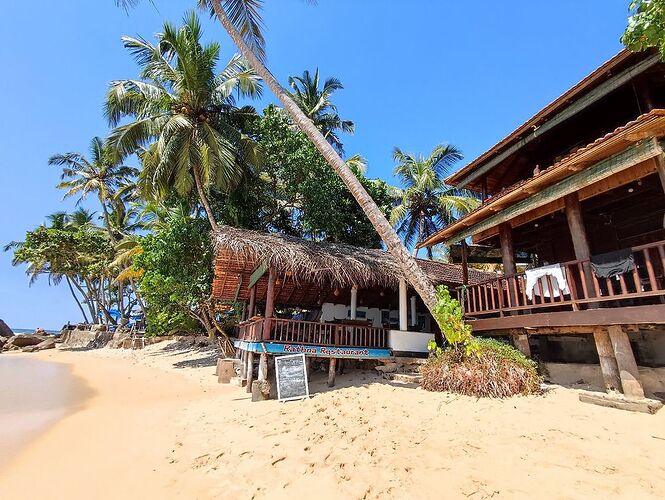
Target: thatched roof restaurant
{"points": [[310, 273]]}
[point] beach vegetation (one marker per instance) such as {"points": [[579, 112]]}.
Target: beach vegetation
{"points": [[474, 366]]}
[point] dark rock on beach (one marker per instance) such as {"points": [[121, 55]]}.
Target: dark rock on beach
{"points": [[49, 343], [5, 331], [25, 340]]}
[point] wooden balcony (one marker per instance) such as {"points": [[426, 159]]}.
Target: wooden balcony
{"points": [[502, 296], [288, 331]]}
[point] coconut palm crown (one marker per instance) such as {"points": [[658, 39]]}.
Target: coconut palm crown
{"points": [[316, 105], [102, 172], [184, 118], [426, 203]]}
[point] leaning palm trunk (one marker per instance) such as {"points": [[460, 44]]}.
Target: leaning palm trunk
{"points": [[203, 198], [409, 266]]}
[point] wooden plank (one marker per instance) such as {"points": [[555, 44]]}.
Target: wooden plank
{"points": [[627, 158], [258, 274], [580, 104], [651, 314], [630, 376]]}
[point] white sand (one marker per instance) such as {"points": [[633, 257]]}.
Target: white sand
{"points": [[159, 426]]}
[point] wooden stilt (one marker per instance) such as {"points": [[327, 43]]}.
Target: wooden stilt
{"points": [[250, 370], [331, 372], [608, 363], [252, 302], [263, 367], [308, 367], [243, 364], [521, 342], [270, 303], [628, 372]]}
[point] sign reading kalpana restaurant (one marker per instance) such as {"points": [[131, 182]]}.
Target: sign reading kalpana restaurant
{"points": [[291, 374]]}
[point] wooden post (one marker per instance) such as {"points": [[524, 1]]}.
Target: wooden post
{"points": [[508, 260], [331, 372], [250, 370], [580, 240], [507, 249], [252, 302], [270, 303], [660, 167], [608, 363], [465, 263], [263, 367], [628, 372], [414, 317], [243, 364], [521, 342]]}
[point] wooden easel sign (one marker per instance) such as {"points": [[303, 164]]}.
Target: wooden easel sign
{"points": [[291, 374]]}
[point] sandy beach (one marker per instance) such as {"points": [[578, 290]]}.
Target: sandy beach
{"points": [[157, 425]]}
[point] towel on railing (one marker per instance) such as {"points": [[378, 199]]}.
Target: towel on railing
{"points": [[559, 283], [610, 264]]}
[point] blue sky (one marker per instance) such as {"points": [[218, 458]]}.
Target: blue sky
{"points": [[436, 71]]}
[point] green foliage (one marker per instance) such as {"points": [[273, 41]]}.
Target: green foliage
{"points": [[646, 26], [496, 370], [302, 195], [184, 121], [426, 204], [177, 264], [64, 251], [448, 315]]}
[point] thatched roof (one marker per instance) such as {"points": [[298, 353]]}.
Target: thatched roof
{"points": [[329, 264]]}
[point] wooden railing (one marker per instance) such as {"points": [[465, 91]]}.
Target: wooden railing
{"points": [[290, 331], [504, 294]]}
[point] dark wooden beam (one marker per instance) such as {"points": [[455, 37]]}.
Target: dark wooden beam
{"points": [[507, 249], [636, 315], [580, 240], [580, 104], [627, 158]]}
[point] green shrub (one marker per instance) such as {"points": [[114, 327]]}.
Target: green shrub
{"points": [[494, 369]]}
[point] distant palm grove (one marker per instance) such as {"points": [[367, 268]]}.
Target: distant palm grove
{"points": [[187, 152]]}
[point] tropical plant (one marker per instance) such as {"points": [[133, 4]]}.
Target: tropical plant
{"points": [[301, 195], [426, 204], [646, 26], [74, 249], [241, 20], [316, 105], [102, 173], [185, 122]]}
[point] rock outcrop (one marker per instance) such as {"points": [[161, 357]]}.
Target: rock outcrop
{"points": [[5, 331], [25, 340], [96, 337], [49, 343]]}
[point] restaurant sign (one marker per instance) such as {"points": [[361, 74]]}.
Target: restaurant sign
{"points": [[314, 350]]}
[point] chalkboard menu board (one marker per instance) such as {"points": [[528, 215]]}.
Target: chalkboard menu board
{"points": [[291, 377]]}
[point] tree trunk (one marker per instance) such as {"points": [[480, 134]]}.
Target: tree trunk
{"points": [[204, 198], [78, 302], [408, 264], [107, 221]]}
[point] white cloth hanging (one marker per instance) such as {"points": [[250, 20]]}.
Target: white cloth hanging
{"points": [[538, 275]]}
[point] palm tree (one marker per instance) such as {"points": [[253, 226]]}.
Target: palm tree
{"points": [[317, 107], [185, 120], [102, 173], [426, 203], [241, 19]]}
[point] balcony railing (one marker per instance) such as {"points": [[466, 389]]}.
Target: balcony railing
{"points": [[290, 331], [506, 294]]}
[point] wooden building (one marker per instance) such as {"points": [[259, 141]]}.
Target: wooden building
{"points": [[322, 299], [579, 184]]}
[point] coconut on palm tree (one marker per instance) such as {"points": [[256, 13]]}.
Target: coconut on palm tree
{"points": [[183, 113], [426, 204], [102, 173], [316, 105]]}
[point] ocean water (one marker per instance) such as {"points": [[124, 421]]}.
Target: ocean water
{"points": [[34, 394], [32, 330]]}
